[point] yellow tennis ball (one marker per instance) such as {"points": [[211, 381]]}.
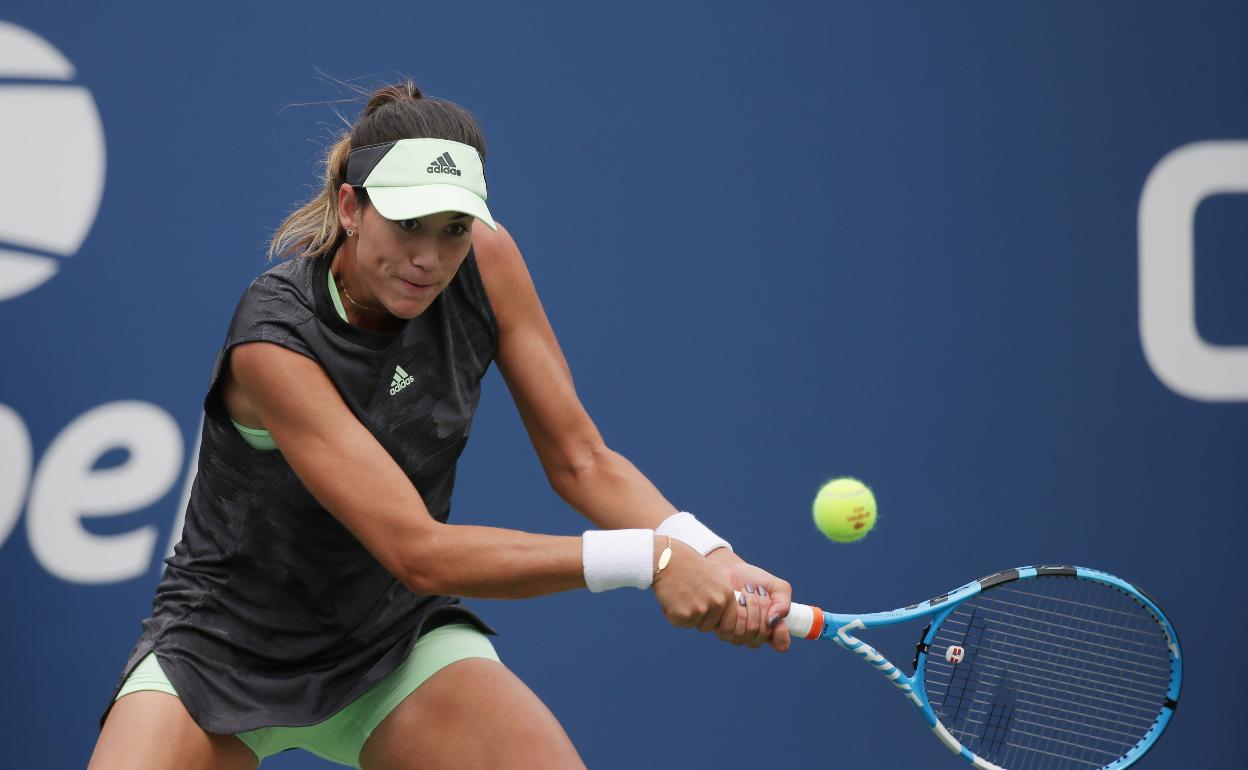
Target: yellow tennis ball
{"points": [[844, 510]]}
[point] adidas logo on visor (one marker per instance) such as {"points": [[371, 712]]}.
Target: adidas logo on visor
{"points": [[443, 165]]}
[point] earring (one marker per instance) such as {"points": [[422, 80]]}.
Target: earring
{"points": [[350, 233]]}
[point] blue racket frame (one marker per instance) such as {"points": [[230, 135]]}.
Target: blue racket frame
{"points": [[838, 628]]}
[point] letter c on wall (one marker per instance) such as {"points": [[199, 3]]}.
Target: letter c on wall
{"points": [[1178, 355]]}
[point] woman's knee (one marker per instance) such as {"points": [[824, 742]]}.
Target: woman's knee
{"points": [[151, 729]]}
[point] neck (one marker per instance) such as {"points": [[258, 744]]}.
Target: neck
{"points": [[364, 313]]}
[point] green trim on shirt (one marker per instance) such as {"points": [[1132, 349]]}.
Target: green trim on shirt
{"points": [[257, 438], [333, 292]]}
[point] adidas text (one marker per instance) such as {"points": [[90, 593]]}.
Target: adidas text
{"points": [[443, 164], [400, 381]]}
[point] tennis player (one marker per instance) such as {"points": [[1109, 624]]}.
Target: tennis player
{"points": [[312, 601]]}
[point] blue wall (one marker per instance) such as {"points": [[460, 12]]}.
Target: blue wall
{"points": [[778, 243]]}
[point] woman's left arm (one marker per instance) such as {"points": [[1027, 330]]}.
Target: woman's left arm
{"points": [[599, 483]]}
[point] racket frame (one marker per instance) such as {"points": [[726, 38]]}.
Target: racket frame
{"points": [[810, 622]]}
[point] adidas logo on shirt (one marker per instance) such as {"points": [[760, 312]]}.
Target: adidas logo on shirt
{"points": [[443, 165], [401, 380]]}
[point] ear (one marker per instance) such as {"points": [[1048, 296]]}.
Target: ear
{"points": [[348, 207]]}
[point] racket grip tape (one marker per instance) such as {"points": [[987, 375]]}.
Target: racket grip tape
{"points": [[803, 621]]}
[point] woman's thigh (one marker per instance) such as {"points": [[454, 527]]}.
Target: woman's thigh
{"points": [[153, 731], [474, 713]]}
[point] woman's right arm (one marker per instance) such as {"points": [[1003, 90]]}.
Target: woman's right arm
{"points": [[348, 471]]}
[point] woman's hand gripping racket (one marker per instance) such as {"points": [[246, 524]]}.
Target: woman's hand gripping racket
{"points": [[1060, 668]]}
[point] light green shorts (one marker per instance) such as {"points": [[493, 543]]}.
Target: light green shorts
{"points": [[341, 737]]}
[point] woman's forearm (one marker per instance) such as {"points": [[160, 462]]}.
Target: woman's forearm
{"points": [[608, 490], [495, 563]]}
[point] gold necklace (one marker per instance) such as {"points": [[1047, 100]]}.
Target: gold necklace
{"points": [[342, 288]]}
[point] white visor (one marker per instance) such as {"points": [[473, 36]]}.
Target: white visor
{"points": [[413, 178]]}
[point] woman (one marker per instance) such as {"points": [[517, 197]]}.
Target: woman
{"points": [[311, 602]]}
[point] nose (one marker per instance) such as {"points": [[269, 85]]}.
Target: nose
{"points": [[423, 254]]}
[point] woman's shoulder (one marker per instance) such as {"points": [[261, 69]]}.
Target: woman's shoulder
{"points": [[286, 287], [494, 248], [292, 277], [499, 261], [281, 296]]}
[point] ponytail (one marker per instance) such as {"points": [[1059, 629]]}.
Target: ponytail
{"points": [[313, 229]]}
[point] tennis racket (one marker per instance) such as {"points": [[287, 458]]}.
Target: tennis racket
{"points": [[1035, 668]]}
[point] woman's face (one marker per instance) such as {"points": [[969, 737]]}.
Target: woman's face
{"points": [[403, 265]]}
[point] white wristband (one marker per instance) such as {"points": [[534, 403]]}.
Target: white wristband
{"points": [[615, 558], [693, 533]]}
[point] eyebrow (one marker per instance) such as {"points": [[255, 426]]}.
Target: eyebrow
{"points": [[456, 218]]}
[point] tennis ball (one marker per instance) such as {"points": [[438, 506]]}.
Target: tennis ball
{"points": [[844, 510]]}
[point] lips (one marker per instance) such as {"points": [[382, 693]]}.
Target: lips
{"points": [[415, 285]]}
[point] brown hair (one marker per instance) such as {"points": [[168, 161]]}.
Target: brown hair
{"points": [[396, 111]]}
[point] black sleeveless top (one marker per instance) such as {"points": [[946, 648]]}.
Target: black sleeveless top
{"points": [[270, 612]]}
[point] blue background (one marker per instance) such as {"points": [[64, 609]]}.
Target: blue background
{"points": [[778, 243]]}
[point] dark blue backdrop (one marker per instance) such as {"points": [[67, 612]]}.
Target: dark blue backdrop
{"points": [[778, 242]]}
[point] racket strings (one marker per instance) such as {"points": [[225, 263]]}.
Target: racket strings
{"points": [[1109, 716], [1112, 636], [1109, 655], [1098, 682], [1028, 685], [1057, 672]]}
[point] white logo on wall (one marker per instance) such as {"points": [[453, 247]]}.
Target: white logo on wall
{"points": [[52, 160], [67, 488], [1182, 359], [52, 163]]}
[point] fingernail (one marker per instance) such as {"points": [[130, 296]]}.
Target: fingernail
{"points": [[762, 591], [749, 588], [741, 599], [771, 622]]}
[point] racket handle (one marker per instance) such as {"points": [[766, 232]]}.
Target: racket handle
{"points": [[803, 620]]}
